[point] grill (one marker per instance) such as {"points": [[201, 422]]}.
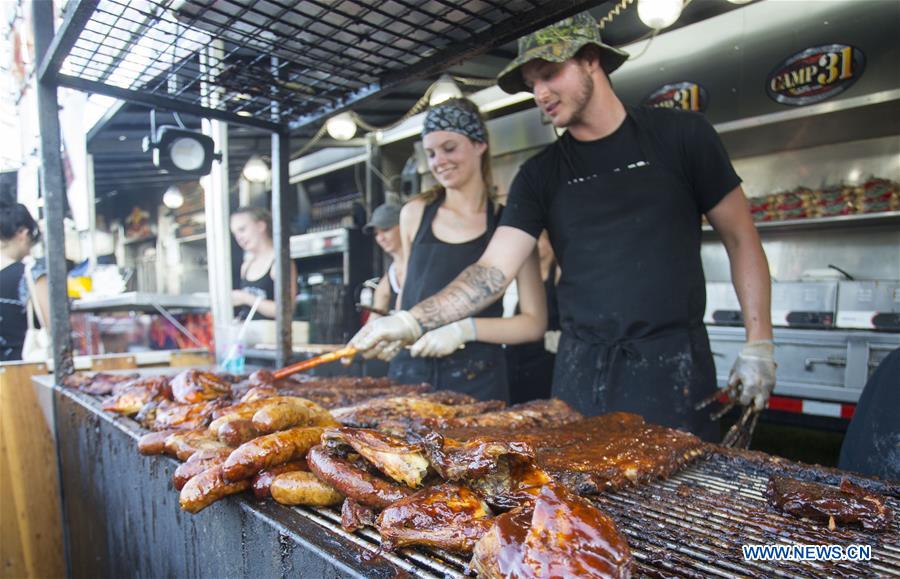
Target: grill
{"points": [[690, 525]]}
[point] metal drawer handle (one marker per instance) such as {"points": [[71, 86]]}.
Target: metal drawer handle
{"points": [[830, 360]]}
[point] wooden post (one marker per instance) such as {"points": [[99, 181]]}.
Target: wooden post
{"points": [[31, 542]]}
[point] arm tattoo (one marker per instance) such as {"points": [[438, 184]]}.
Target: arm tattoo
{"points": [[473, 290]]}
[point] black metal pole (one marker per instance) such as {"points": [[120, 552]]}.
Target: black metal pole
{"points": [[53, 188], [284, 206], [374, 191]]}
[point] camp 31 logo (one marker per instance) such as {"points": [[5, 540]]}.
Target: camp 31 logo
{"points": [[687, 96], [815, 74]]}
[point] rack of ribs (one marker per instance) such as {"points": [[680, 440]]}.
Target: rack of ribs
{"points": [[397, 414], [599, 453], [846, 505], [534, 414], [559, 535]]}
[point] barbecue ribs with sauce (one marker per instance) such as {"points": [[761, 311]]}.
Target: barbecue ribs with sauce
{"points": [[599, 453], [534, 414], [560, 535], [396, 414], [847, 505]]}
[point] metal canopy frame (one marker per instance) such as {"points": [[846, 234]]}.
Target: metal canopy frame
{"points": [[276, 65], [311, 58]]}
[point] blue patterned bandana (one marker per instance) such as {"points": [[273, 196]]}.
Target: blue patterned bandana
{"points": [[456, 120]]}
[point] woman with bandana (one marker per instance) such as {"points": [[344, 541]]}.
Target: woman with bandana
{"points": [[443, 231]]}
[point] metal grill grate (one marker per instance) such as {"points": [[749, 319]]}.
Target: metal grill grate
{"points": [[309, 57], [692, 525]]}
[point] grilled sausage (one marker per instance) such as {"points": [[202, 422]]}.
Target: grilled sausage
{"points": [[208, 487], [154, 442], [270, 450], [287, 411], [303, 488], [238, 431], [263, 480], [353, 482], [197, 463]]}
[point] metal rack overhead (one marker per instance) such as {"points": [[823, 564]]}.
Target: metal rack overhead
{"points": [[276, 64]]}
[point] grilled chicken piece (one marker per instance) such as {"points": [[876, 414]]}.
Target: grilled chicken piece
{"points": [[847, 505], [560, 535], [193, 386], [355, 516], [504, 473], [182, 445], [354, 481], [396, 414], [394, 457], [534, 414], [135, 394], [168, 415], [600, 453], [270, 450], [98, 384], [455, 460], [448, 516]]}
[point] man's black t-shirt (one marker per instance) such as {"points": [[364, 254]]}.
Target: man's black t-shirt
{"points": [[685, 142]]}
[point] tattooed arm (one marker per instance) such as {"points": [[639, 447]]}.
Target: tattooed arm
{"points": [[475, 288], [480, 284]]}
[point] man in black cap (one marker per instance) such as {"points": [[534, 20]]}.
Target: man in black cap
{"points": [[621, 194], [385, 224]]}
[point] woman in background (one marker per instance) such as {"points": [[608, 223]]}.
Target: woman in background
{"points": [[385, 223], [252, 229], [18, 234], [444, 230]]}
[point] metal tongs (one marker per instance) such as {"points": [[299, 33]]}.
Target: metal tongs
{"points": [[741, 432]]}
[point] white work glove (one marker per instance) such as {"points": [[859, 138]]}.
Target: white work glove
{"points": [[551, 341], [445, 340], [753, 373], [384, 335]]}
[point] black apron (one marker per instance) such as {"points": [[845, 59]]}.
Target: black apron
{"points": [[632, 293], [264, 287], [479, 369]]}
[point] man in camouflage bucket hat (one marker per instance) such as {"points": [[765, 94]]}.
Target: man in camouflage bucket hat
{"points": [[559, 43], [621, 194]]}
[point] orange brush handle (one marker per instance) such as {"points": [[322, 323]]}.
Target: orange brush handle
{"points": [[347, 352]]}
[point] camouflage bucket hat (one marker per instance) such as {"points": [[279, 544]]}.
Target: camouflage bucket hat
{"points": [[558, 43]]}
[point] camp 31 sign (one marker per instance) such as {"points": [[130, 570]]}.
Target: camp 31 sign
{"points": [[815, 74], [687, 96]]}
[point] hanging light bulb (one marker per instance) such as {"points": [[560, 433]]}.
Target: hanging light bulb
{"points": [[444, 89], [740, 1], [341, 127], [256, 170], [659, 14], [173, 198]]}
